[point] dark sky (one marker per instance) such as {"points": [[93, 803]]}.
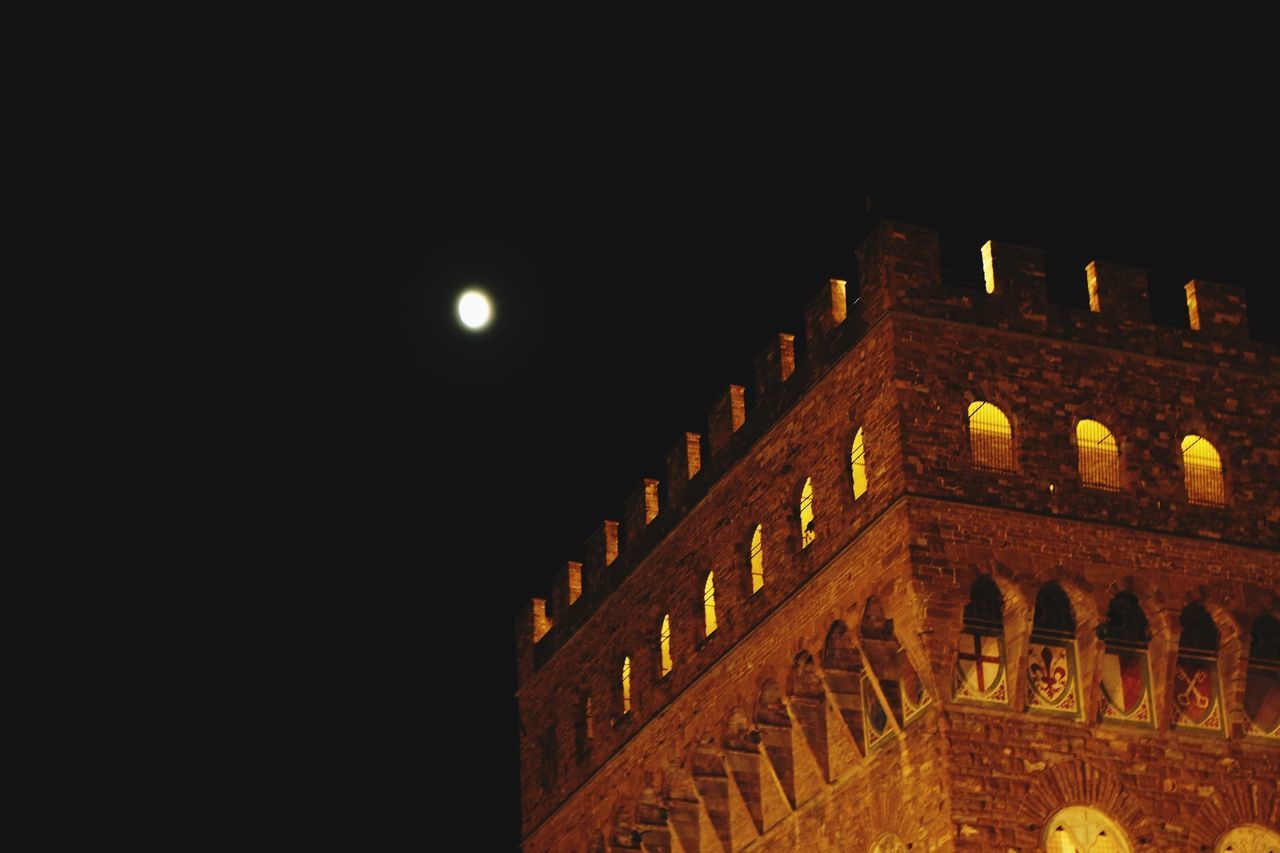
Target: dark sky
{"points": [[468, 467]]}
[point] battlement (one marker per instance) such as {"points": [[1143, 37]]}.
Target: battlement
{"points": [[898, 273]]}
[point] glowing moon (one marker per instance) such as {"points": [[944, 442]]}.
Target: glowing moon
{"points": [[474, 309]]}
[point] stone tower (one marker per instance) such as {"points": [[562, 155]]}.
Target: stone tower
{"points": [[978, 572]]}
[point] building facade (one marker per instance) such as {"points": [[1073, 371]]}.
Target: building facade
{"points": [[977, 572]]}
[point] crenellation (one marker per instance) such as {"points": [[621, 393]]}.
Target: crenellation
{"points": [[1217, 310], [725, 417], [639, 509], [777, 768]]}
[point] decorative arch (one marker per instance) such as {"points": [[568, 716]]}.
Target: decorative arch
{"points": [[1074, 782], [1232, 805], [1083, 829]]}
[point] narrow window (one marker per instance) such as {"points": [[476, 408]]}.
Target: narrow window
{"points": [[1202, 469], [757, 559], [990, 437], [1099, 458], [709, 603], [859, 463], [1051, 655], [664, 644], [1126, 675], [980, 662], [1262, 685], [626, 685], [582, 733], [1197, 697], [806, 514], [1080, 829]]}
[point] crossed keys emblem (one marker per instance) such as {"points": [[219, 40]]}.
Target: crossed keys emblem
{"points": [[1192, 693]]}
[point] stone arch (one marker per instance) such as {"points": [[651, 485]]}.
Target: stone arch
{"points": [[1231, 805], [1018, 609], [1233, 653], [1075, 782]]}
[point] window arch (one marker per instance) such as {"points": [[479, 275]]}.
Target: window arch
{"points": [[1126, 673], [757, 559], [1197, 695], [1080, 829], [889, 843], [626, 685], [858, 465], [1052, 682], [807, 524], [1202, 471], [990, 437], [980, 674], [1262, 684], [664, 645], [709, 603], [1249, 839], [1098, 456]]}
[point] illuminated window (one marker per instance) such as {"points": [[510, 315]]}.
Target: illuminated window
{"points": [[1249, 839], [858, 459], [1197, 695], [626, 685], [806, 514], [1099, 458], [757, 559], [1080, 829], [709, 603], [1202, 469], [990, 437], [1262, 685], [664, 644]]}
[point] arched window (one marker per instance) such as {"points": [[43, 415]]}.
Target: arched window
{"points": [[1126, 675], [1197, 696], [1249, 839], [1099, 457], [757, 559], [709, 603], [889, 843], [664, 644], [858, 462], [990, 437], [626, 685], [980, 663], [807, 531], [1202, 471], [1052, 684], [1080, 829], [1262, 685]]}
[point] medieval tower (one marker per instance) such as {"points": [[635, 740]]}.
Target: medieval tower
{"points": [[977, 572]]}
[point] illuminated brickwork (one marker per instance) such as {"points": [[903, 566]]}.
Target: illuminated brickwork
{"points": [[983, 650]]}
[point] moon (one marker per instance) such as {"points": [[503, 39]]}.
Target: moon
{"points": [[474, 309]]}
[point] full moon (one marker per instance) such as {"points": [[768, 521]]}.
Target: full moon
{"points": [[474, 309]]}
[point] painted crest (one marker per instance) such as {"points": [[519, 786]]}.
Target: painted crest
{"points": [[1195, 694], [1126, 691], [980, 670], [1051, 677]]}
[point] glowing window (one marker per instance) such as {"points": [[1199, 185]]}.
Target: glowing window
{"points": [[757, 559], [1080, 829], [1099, 458], [858, 460], [889, 844], [806, 514], [1202, 468], [990, 437], [664, 643], [709, 602], [626, 685], [1249, 839]]}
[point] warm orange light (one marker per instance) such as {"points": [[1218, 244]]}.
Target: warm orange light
{"points": [[664, 643], [858, 458], [1202, 471], [1193, 306], [709, 603], [626, 685], [990, 437], [757, 559], [807, 527], [988, 268], [1099, 457]]}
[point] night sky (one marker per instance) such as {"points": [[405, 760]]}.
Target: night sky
{"points": [[466, 468]]}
